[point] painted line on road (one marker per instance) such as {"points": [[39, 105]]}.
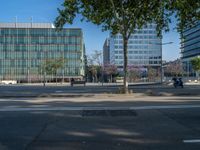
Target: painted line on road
{"points": [[192, 141], [59, 91], [73, 108]]}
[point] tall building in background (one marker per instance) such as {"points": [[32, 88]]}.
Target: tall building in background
{"points": [[190, 47], [144, 48], [24, 47], [106, 52]]}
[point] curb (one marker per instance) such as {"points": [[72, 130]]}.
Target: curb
{"points": [[148, 93], [46, 96]]}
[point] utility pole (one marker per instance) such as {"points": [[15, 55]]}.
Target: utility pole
{"points": [[161, 63]]}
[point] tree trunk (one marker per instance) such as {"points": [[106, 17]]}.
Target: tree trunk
{"points": [[44, 79], [96, 78], [93, 78], [125, 43], [56, 78]]}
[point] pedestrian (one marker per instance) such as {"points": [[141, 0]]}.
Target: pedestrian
{"points": [[72, 81]]}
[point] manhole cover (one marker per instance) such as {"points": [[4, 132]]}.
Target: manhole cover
{"points": [[112, 113]]}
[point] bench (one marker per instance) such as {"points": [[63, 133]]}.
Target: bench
{"points": [[78, 82]]}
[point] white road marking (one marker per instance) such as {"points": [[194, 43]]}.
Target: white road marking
{"points": [[192, 141], [58, 91], [74, 108]]}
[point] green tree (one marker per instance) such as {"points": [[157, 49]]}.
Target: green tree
{"points": [[196, 65], [51, 66], [124, 16]]}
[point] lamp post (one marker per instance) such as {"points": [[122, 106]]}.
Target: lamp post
{"points": [[63, 67], [99, 57], [161, 63], [102, 69]]}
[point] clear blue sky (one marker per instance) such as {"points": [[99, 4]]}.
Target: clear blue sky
{"points": [[46, 11]]}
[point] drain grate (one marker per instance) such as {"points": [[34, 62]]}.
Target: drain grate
{"points": [[108, 113]]}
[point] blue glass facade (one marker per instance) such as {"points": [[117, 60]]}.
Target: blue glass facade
{"points": [[144, 48], [190, 46]]}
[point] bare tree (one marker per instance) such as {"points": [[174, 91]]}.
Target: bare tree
{"points": [[151, 73], [134, 72], [174, 68], [110, 69]]}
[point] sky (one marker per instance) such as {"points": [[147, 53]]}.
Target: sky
{"points": [[46, 11]]}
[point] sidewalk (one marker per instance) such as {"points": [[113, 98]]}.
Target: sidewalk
{"points": [[87, 84]]}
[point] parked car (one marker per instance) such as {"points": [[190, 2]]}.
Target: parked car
{"points": [[8, 82]]}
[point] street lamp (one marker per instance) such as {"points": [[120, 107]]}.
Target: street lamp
{"points": [[63, 67], [161, 63], [100, 63]]}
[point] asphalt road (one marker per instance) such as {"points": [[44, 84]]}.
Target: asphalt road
{"points": [[163, 124], [29, 90]]}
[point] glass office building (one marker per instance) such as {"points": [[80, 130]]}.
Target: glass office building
{"points": [[144, 48], [190, 47], [24, 47]]}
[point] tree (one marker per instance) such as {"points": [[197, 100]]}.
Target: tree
{"points": [[196, 64], [151, 73], [134, 72], [51, 66], [97, 57], [95, 65], [110, 69], [97, 60], [56, 65], [124, 16], [94, 72], [174, 68]]}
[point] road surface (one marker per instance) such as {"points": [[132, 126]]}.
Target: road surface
{"points": [[145, 123]]}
